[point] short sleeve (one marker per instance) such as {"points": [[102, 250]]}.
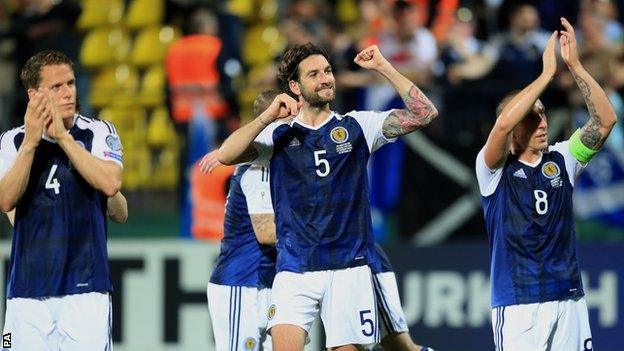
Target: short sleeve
{"points": [[8, 152], [264, 144], [106, 142], [256, 187], [573, 166], [487, 178], [371, 123]]}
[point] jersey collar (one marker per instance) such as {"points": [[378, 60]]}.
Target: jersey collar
{"points": [[298, 121]]}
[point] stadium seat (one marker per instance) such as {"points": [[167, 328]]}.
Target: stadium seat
{"points": [[160, 130], [96, 13], [241, 8], [153, 82], [151, 45], [261, 44], [117, 84], [105, 46], [144, 13]]}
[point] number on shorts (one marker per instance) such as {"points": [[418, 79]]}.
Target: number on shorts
{"points": [[364, 321], [541, 201]]}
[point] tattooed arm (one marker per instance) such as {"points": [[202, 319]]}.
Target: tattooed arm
{"points": [[264, 227], [419, 111], [602, 117]]}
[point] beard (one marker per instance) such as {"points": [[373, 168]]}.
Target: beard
{"points": [[315, 100]]}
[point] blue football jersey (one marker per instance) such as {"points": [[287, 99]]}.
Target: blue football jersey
{"points": [[243, 261], [379, 262], [530, 223], [320, 190], [59, 238]]}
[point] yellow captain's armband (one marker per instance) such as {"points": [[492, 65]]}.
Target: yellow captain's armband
{"points": [[580, 152]]}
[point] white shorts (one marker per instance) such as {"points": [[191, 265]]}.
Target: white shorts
{"points": [[392, 319], [69, 323], [553, 325], [238, 316], [345, 298]]}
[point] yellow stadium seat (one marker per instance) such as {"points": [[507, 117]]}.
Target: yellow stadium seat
{"points": [[105, 46], [261, 44], [153, 82], [160, 130], [241, 8], [144, 13], [97, 13], [151, 45], [114, 84]]}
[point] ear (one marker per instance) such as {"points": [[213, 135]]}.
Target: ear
{"points": [[294, 87], [31, 92]]}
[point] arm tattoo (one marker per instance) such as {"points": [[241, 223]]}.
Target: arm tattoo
{"points": [[264, 227], [590, 133], [419, 112], [248, 155]]}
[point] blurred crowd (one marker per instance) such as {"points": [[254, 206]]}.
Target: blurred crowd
{"points": [[465, 54]]}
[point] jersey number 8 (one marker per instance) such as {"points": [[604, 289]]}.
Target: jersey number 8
{"points": [[541, 201]]}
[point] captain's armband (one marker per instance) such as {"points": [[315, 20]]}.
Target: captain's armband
{"points": [[580, 152]]}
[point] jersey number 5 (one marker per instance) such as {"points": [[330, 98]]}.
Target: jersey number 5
{"points": [[321, 163], [541, 201], [53, 183]]}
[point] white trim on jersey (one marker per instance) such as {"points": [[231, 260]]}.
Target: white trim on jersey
{"points": [[573, 166], [106, 144], [264, 143], [487, 178], [371, 123], [256, 188], [8, 152]]}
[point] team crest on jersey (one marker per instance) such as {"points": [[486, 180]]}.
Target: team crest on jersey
{"points": [[551, 170], [271, 313], [339, 135], [249, 343], [113, 142]]}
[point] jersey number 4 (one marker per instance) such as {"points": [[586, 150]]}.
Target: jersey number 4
{"points": [[541, 201], [53, 183]]}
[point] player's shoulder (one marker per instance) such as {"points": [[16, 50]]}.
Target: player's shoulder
{"points": [[97, 125], [559, 147], [10, 138]]}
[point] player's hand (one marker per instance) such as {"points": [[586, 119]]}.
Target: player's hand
{"points": [[283, 106], [210, 162], [36, 112], [569, 52], [370, 58], [549, 59], [55, 128]]}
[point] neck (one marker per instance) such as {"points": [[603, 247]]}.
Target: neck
{"points": [[313, 115], [530, 155]]}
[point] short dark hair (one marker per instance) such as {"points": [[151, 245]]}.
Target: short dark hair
{"points": [[263, 100], [289, 64], [31, 72]]}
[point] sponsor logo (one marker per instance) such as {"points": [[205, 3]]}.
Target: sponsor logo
{"points": [[550, 170], [271, 313], [117, 157], [113, 142], [520, 174], [339, 135], [294, 142], [6, 341]]}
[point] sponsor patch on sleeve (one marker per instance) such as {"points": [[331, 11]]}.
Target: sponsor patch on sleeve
{"points": [[113, 142], [113, 155]]}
